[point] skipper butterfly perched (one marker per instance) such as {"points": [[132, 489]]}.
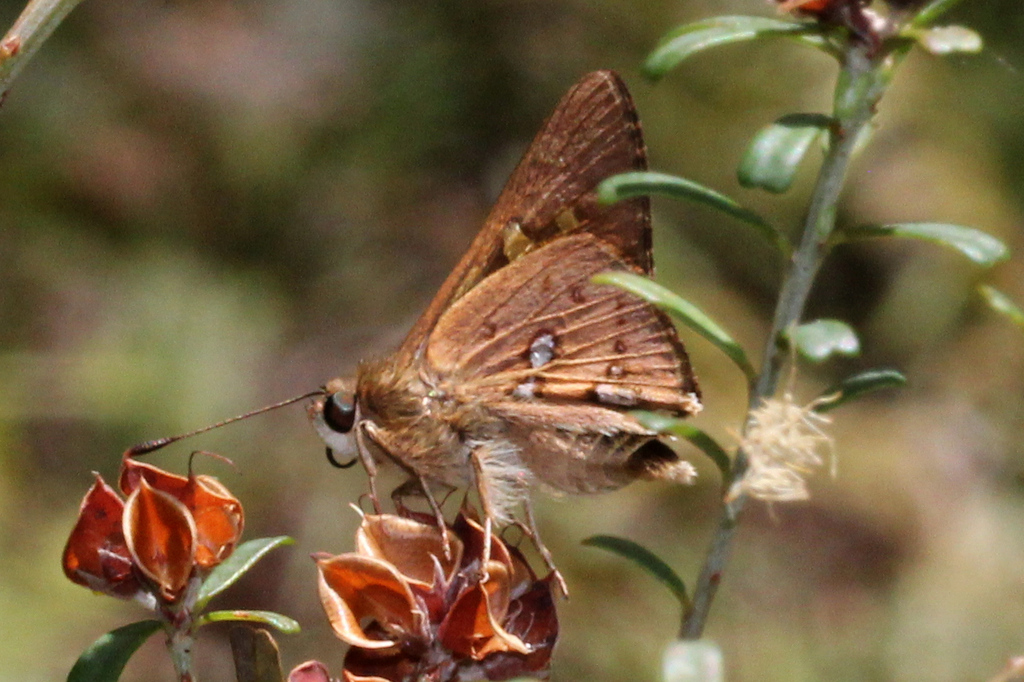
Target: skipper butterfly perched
{"points": [[522, 371]]}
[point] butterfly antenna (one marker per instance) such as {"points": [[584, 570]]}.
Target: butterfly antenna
{"points": [[151, 445]]}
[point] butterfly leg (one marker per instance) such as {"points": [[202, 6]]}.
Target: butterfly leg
{"points": [[530, 529], [482, 491], [362, 433], [502, 483], [417, 485]]}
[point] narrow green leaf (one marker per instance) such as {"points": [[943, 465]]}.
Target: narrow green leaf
{"points": [[687, 40], [677, 427], [642, 183], [1002, 303], [686, 312], [287, 625], [858, 385], [980, 247], [256, 656], [235, 566], [821, 339], [943, 40], [105, 658], [646, 559], [932, 11], [771, 161]]}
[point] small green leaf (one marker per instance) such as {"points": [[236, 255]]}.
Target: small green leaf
{"points": [[858, 385], [693, 661], [287, 625], [1002, 303], [821, 339], [235, 566], [105, 658], [943, 40], [775, 153], [932, 11], [257, 658], [646, 559], [677, 427], [686, 312], [642, 183], [980, 247], [687, 40]]}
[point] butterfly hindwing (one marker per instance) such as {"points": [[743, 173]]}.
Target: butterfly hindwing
{"points": [[558, 360], [539, 331]]}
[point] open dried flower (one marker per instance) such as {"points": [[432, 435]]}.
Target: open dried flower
{"points": [[783, 442], [168, 533], [410, 612]]}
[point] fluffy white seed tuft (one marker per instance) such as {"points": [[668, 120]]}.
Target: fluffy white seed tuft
{"points": [[783, 444]]}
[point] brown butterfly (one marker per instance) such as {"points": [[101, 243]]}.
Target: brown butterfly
{"points": [[521, 371]]}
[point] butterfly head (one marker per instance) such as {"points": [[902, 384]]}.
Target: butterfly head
{"points": [[335, 414]]}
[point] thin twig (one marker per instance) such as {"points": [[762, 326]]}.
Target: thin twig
{"points": [[37, 21], [862, 82]]}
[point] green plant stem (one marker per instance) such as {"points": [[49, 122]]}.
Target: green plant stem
{"points": [[180, 643], [181, 626], [37, 21], [862, 82]]}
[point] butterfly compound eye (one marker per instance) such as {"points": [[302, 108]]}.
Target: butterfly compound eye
{"points": [[340, 413]]}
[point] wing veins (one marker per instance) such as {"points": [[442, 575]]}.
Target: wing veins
{"points": [[581, 362], [555, 188], [516, 376], [617, 333], [504, 333], [601, 320], [569, 352], [588, 322], [607, 148], [561, 313], [531, 320], [570, 379]]}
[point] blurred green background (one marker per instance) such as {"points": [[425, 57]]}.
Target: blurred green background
{"points": [[209, 205]]}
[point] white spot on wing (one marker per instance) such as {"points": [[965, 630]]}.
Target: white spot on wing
{"points": [[542, 350], [615, 395], [526, 390]]}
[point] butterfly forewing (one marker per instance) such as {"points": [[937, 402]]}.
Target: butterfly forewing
{"points": [[593, 134]]}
